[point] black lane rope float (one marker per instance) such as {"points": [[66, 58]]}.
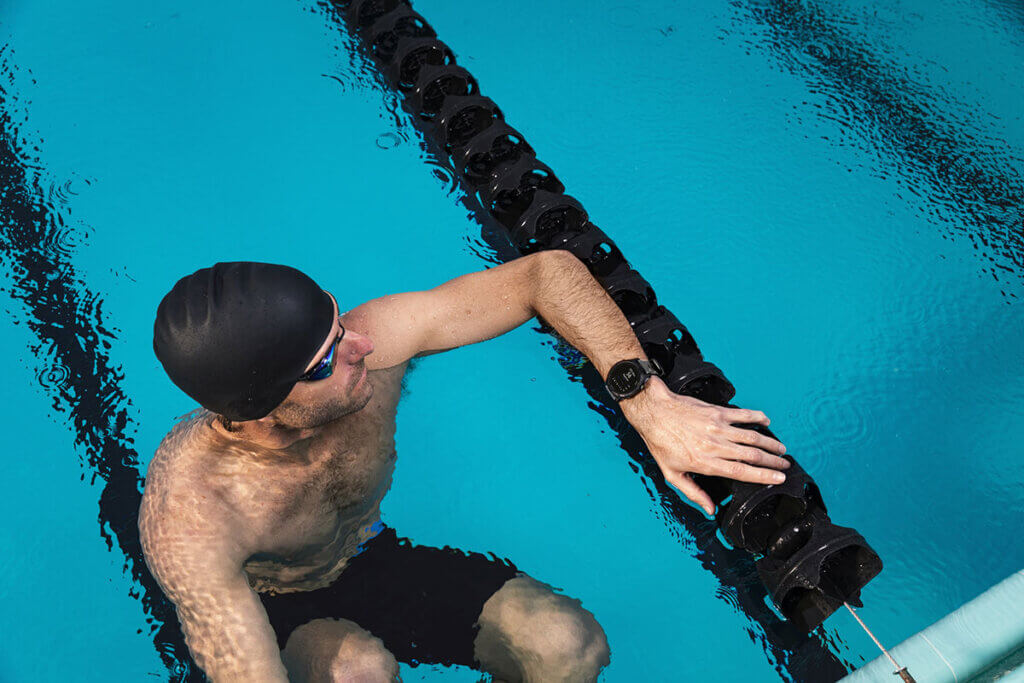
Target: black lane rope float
{"points": [[810, 566]]}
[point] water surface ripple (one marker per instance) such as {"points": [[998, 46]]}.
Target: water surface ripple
{"points": [[936, 147]]}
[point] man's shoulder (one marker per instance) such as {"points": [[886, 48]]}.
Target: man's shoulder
{"points": [[182, 444], [186, 529], [175, 494]]}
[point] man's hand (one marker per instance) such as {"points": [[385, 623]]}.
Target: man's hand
{"points": [[685, 434]]}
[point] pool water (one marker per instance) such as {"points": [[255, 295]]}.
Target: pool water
{"points": [[828, 195]]}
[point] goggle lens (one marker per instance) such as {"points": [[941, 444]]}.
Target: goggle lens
{"points": [[325, 368]]}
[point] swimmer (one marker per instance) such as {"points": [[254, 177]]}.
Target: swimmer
{"points": [[261, 512]]}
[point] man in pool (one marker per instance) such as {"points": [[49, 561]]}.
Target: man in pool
{"points": [[260, 517]]}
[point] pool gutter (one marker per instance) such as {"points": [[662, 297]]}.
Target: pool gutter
{"points": [[978, 642]]}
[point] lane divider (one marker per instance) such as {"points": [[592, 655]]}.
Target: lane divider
{"points": [[809, 565]]}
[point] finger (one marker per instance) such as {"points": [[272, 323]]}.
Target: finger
{"points": [[689, 488], [732, 469], [756, 439], [745, 416], [755, 456]]}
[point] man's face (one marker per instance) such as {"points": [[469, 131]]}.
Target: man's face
{"points": [[315, 403]]}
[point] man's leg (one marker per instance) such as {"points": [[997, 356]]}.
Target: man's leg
{"points": [[335, 650], [422, 602], [530, 633], [447, 606]]}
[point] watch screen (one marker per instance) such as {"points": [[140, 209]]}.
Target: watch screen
{"points": [[624, 378]]}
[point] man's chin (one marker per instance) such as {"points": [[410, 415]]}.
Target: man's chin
{"points": [[361, 397], [367, 392]]}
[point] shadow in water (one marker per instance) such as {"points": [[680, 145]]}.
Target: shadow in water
{"points": [[73, 360], [934, 146]]}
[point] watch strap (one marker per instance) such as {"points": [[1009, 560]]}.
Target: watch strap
{"points": [[651, 367]]}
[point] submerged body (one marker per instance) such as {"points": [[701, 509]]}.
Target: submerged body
{"points": [[302, 511], [282, 503], [304, 508]]}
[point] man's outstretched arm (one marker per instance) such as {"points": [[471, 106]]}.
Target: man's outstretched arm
{"points": [[683, 434], [482, 305]]}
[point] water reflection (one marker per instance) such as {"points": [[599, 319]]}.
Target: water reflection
{"points": [[65, 316], [933, 144]]}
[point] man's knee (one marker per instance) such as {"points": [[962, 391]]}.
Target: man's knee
{"points": [[329, 650], [529, 632]]}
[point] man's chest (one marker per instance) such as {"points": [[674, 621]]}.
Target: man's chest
{"points": [[353, 470], [330, 483]]}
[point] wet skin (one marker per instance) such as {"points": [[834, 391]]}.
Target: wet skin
{"points": [[292, 496], [282, 502]]}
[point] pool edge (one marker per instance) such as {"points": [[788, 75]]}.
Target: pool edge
{"points": [[965, 643]]}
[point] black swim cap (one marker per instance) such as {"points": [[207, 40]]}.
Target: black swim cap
{"points": [[237, 336]]}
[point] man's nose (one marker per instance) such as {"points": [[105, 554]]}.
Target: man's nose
{"points": [[361, 347]]}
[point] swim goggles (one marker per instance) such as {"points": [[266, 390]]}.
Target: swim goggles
{"points": [[324, 368]]}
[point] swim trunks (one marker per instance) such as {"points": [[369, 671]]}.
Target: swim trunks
{"points": [[422, 602]]}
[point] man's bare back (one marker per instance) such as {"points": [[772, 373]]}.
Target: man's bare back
{"points": [[303, 509]]}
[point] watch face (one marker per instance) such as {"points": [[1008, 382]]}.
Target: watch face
{"points": [[624, 378]]}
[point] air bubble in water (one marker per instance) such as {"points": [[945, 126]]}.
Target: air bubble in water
{"points": [[388, 140]]}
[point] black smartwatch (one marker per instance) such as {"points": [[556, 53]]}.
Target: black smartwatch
{"points": [[628, 377]]}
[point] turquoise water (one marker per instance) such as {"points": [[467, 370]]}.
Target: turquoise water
{"points": [[827, 194]]}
